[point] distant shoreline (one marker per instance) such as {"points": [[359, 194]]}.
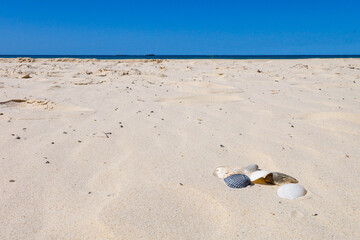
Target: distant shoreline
{"points": [[116, 57]]}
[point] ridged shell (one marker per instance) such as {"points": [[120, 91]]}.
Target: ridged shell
{"points": [[291, 191], [224, 172], [258, 177], [279, 178], [251, 168], [238, 181]]}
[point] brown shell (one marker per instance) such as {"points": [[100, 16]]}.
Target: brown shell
{"points": [[260, 181], [279, 178]]}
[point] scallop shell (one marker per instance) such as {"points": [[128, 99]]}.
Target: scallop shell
{"points": [[279, 178], [224, 172], [258, 177], [251, 168], [291, 191], [237, 181]]}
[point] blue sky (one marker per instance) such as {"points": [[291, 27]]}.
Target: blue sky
{"points": [[179, 27]]}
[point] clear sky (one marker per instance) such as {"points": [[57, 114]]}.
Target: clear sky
{"points": [[179, 27]]}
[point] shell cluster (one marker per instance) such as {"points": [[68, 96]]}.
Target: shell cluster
{"points": [[236, 177]]}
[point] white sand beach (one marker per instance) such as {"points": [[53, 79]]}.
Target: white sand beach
{"points": [[126, 149]]}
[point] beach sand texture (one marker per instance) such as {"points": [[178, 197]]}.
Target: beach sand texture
{"points": [[125, 149]]}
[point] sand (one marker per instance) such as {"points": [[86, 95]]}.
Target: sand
{"points": [[125, 149]]}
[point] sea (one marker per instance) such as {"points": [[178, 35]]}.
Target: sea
{"points": [[152, 56]]}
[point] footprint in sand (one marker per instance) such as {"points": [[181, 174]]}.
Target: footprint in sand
{"points": [[165, 212], [335, 121], [348, 117], [204, 93]]}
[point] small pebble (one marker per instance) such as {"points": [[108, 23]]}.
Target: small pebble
{"points": [[222, 145], [52, 143], [64, 132], [181, 184], [11, 180], [47, 162], [17, 137]]}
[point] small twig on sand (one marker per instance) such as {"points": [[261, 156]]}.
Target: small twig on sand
{"points": [[106, 134]]}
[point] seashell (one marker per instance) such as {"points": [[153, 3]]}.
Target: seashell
{"points": [[251, 168], [237, 181], [291, 191], [224, 172], [279, 178], [258, 177]]}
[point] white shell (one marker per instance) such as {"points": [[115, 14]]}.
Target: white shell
{"points": [[224, 172], [251, 168], [258, 174], [291, 191]]}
